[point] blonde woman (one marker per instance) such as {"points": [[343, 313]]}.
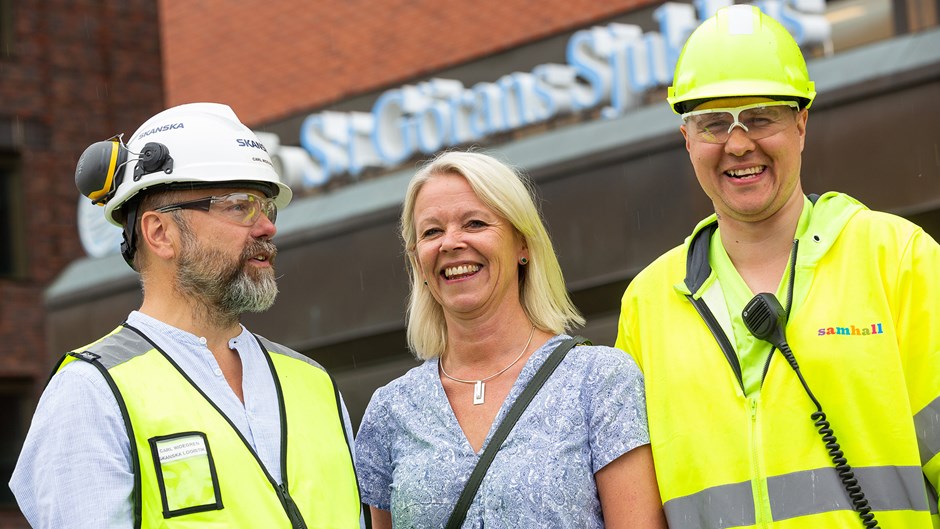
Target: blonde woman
{"points": [[488, 305]]}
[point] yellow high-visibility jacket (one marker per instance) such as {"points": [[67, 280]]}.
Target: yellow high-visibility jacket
{"points": [[193, 468], [864, 327]]}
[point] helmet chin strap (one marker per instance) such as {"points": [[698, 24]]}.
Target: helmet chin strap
{"points": [[128, 241]]}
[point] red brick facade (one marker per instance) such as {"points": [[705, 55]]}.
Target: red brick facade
{"points": [[272, 60], [71, 73]]}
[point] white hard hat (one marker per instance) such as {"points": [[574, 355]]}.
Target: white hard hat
{"points": [[202, 144], [187, 146]]}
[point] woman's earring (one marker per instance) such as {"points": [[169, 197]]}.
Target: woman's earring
{"points": [[523, 261]]}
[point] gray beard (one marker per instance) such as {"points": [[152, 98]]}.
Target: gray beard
{"points": [[224, 288]]}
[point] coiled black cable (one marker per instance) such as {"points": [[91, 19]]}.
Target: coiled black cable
{"points": [[846, 475]]}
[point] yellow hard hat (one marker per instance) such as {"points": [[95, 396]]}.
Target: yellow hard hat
{"points": [[740, 52]]}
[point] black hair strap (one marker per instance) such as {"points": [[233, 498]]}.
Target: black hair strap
{"points": [[469, 492]]}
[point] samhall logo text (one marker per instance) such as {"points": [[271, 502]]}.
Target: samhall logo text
{"points": [[852, 330]]}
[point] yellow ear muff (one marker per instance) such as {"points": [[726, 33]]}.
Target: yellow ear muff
{"points": [[97, 170]]}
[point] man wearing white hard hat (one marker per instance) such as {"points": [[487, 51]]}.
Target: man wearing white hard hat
{"points": [[181, 417]]}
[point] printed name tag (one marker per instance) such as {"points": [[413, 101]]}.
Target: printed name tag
{"points": [[181, 448], [185, 473]]}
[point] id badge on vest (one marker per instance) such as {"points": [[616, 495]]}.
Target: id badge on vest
{"points": [[186, 473]]}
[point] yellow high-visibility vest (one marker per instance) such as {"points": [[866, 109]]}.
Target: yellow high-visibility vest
{"points": [[193, 467]]}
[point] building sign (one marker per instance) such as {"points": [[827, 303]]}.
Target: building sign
{"points": [[608, 67]]}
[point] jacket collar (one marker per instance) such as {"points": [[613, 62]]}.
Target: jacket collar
{"points": [[697, 267], [831, 212]]}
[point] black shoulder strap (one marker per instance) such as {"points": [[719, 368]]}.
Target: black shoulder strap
{"points": [[459, 514]]}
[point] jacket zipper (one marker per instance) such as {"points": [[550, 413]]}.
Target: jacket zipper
{"points": [[293, 513], [759, 480]]}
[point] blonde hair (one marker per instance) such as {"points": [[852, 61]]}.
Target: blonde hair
{"points": [[509, 194]]}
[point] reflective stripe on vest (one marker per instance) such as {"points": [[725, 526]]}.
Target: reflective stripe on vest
{"points": [[322, 481], [927, 425], [796, 494]]}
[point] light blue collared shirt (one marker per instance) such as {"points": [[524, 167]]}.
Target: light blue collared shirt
{"points": [[75, 467]]}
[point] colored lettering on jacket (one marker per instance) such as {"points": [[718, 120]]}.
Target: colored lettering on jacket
{"points": [[852, 330]]}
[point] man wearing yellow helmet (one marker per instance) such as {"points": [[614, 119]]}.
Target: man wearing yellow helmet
{"points": [[181, 417], [814, 403]]}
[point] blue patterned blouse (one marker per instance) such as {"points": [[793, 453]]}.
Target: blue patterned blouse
{"points": [[413, 458]]}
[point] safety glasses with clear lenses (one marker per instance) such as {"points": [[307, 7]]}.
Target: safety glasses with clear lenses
{"points": [[758, 120], [239, 208]]}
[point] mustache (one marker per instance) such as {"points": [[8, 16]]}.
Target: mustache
{"points": [[260, 247]]}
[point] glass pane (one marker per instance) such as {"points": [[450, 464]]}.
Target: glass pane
{"points": [[6, 222]]}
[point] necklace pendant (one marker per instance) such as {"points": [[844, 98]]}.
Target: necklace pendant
{"points": [[478, 389]]}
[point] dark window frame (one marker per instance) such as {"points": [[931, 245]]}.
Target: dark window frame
{"points": [[17, 395], [7, 28], [12, 249]]}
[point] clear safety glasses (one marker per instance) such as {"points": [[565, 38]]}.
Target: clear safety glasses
{"points": [[239, 208], [758, 120]]}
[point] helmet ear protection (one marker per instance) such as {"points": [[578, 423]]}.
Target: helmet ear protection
{"points": [[100, 171], [100, 168]]}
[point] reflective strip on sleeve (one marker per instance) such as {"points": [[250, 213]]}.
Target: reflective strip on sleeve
{"points": [[927, 427], [715, 507], [887, 488]]}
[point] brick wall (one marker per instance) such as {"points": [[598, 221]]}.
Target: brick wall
{"points": [[272, 60], [77, 71]]}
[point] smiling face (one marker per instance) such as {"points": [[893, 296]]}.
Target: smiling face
{"points": [[467, 253], [749, 180]]}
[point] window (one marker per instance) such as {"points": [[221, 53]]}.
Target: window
{"points": [[15, 411], [10, 254], [6, 28], [858, 22]]}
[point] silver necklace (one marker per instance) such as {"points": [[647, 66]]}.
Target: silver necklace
{"points": [[479, 386]]}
